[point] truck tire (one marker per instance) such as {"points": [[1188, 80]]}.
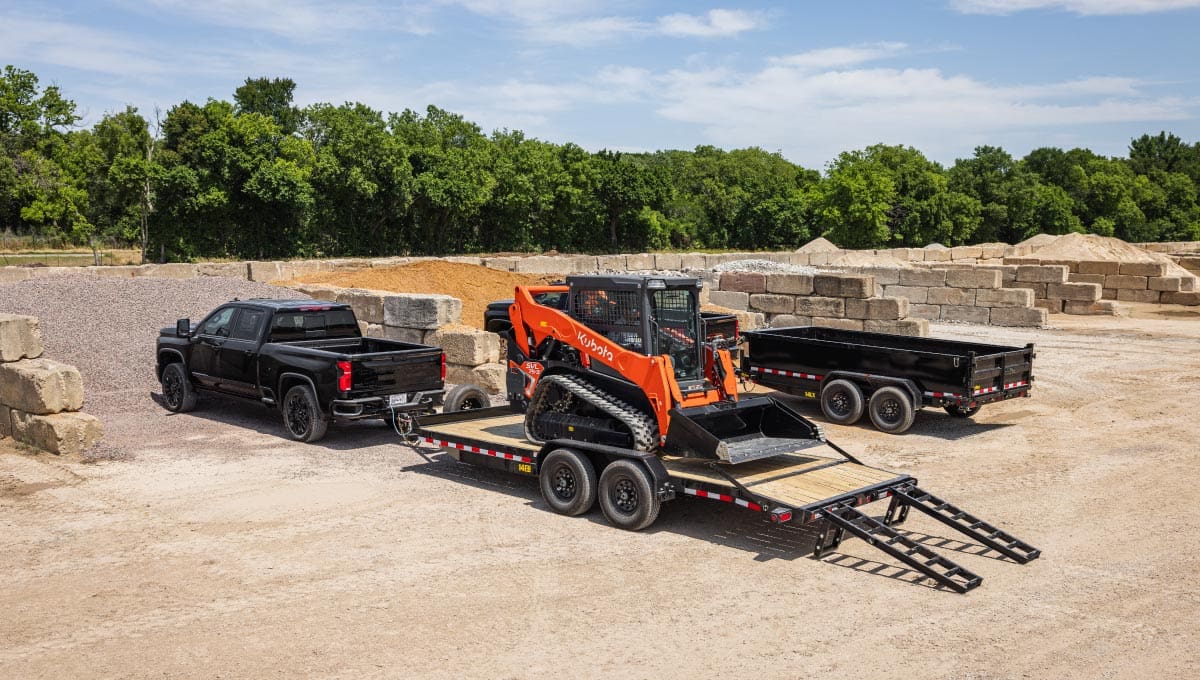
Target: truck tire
{"points": [[627, 496], [842, 402], [958, 411], [465, 397], [301, 415], [891, 410], [568, 482], [178, 394]]}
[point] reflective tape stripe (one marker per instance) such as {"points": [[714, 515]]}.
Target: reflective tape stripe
{"points": [[789, 374], [724, 498], [940, 395], [1005, 386], [475, 449]]}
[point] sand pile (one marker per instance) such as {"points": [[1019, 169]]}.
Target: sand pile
{"points": [[476, 286], [1091, 247], [866, 258], [818, 245], [1038, 240]]}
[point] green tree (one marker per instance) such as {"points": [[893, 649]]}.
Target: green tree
{"points": [[271, 97]]}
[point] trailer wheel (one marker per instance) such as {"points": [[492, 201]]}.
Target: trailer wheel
{"points": [[466, 397], [958, 411], [627, 496], [178, 394], [842, 402], [568, 482], [301, 415], [891, 410]]}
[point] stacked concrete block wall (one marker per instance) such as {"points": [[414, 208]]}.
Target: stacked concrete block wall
{"points": [[1123, 281], [965, 294], [40, 399]]}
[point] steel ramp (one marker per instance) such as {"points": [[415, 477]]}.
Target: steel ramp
{"points": [[843, 517], [910, 495]]}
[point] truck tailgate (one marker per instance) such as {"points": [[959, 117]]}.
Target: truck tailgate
{"points": [[995, 374], [399, 371]]}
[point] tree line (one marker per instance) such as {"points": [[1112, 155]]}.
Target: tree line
{"points": [[260, 178]]}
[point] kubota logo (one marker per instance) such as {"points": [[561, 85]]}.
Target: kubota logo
{"points": [[604, 353]]}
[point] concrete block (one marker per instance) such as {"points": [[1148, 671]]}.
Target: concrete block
{"points": [[933, 255], [820, 306], [612, 263], [912, 327], [465, 259], [1188, 284], [413, 310], [790, 284], [1052, 305], [1071, 265], [14, 274], [773, 304], [232, 270], [1108, 293], [5, 421], [371, 330], [267, 272], [122, 271], [928, 312], [966, 252], [1007, 272], [583, 264], [668, 261], [543, 264], [1143, 268], [1126, 281], [973, 278], [506, 264], [1020, 260], [950, 296], [789, 320], [827, 285], [1105, 267], [856, 286], [991, 252], [40, 386], [1005, 297], [61, 433], [819, 259], [367, 304], [914, 294], [1164, 283], [488, 376], [171, 270], [844, 324], [744, 282], [1134, 295], [20, 337], [1076, 292], [729, 299], [748, 321], [802, 259], [465, 345], [51, 272], [1098, 308], [1042, 273], [877, 309], [1190, 298], [1087, 278], [884, 276], [923, 277], [1028, 317], [978, 315], [639, 262], [1039, 289], [318, 291], [1190, 263], [401, 334], [692, 261]]}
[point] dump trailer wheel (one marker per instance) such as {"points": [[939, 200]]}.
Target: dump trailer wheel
{"points": [[958, 411], [465, 397], [842, 402], [891, 410], [178, 394], [627, 496], [301, 415], [568, 482]]}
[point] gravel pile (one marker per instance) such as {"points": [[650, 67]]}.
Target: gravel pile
{"points": [[763, 266], [107, 327]]}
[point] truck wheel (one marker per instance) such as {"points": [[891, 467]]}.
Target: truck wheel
{"points": [[301, 415], [465, 398], [627, 496], [568, 482], [891, 410], [842, 402], [959, 411], [178, 394]]}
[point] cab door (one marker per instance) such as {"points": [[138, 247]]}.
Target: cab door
{"points": [[207, 344], [238, 360]]}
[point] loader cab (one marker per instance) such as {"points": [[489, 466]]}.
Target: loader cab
{"points": [[645, 314]]}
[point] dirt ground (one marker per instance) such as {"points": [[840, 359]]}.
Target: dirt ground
{"points": [[220, 549], [476, 286]]}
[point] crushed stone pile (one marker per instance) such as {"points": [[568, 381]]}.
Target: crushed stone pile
{"points": [[763, 267]]}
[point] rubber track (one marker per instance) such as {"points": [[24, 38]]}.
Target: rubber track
{"points": [[641, 425]]}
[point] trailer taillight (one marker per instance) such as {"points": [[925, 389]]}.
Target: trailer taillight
{"points": [[345, 375], [443, 366], [737, 331], [781, 515]]}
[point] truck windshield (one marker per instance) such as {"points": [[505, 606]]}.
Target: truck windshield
{"points": [[675, 333], [301, 325]]}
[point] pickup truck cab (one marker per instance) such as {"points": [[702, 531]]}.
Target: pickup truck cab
{"points": [[306, 358]]}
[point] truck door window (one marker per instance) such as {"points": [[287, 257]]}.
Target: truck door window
{"points": [[298, 325], [218, 323], [248, 324]]}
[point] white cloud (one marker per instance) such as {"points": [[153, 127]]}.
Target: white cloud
{"points": [[73, 46], [308, 20], [838, 57], [1085, 7], [716, 23]]}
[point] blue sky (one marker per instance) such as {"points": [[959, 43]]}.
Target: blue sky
{"points": [[807, 79]]}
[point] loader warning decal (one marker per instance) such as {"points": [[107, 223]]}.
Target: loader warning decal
{"points": [[531, 370]]}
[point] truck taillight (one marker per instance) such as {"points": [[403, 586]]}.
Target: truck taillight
{"points": [[345, 375], [443, 366]]}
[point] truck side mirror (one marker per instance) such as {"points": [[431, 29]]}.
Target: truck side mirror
{"points": [[183, 328]]}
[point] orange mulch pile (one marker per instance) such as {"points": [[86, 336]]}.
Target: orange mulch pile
{"points": [[476, 286]]}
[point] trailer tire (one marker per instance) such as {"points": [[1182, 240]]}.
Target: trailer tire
{"points": [[178, 394], [302, 416], [627, 496], [958, 411], [568, 482], [465, 397], [891, 410], [842, 402]]}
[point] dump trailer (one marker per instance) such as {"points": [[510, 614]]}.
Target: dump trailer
{"points": [[889, 377], [620, 396]]}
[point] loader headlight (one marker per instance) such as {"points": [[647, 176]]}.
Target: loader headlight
{"points": [[656, 284]]}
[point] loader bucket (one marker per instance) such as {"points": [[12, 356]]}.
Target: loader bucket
{"points": [[736, 432]]}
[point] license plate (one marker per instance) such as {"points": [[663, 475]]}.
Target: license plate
{"points": [[397, 399]]}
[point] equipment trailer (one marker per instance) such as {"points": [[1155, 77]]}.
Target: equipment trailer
{"points": [[790, 487]]}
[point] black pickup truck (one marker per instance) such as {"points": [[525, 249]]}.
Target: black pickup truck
{"points": [[305, 357]]}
